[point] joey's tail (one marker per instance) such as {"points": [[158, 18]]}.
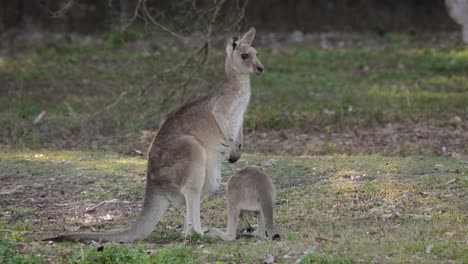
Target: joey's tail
{"points": [[153, 209]]}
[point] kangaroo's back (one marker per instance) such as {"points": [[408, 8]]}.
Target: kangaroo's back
{"points": [[250, 189]]}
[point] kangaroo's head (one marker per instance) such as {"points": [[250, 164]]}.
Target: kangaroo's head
{"points": [[241, 57]]}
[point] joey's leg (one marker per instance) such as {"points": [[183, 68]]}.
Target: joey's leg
{"points": [[260, 232], [230, 234], [267, 216], [233, 216]]}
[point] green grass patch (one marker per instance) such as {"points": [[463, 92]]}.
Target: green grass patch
{"points": [[303, 85], [314, 258]]}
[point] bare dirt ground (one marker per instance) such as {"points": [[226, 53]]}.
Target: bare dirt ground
{"points": [[405, 138], [48, 201]]}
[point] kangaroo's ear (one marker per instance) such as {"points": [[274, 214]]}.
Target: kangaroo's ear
{"points": [[232, 44], [249, 36]]}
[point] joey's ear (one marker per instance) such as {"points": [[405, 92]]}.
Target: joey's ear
{"points": [[232, 44], [249, 36]]}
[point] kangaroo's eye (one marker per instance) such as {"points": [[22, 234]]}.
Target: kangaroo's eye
{"points": [[244, 56]]}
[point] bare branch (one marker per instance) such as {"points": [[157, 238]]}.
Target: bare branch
{"points": [[240, 17], [148, 15], [213, 19], [135, 15], [62, 10]]}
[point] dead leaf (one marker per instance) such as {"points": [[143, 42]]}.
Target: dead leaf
{"points": [[312, 249], [429, 249], [151, 252], [269, 259], [451, 181], [375, 210], [387, 216], [431, 193], [450, 234], [321, 239], [270, 163]]}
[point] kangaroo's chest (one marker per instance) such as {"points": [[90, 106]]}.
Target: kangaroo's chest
{"points": [[237, 113]]}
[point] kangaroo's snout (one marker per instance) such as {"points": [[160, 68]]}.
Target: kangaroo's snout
{"points": [[259, 69], [233, 158]]}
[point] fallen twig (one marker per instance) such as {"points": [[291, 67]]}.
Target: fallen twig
{"points": [[116, 101], [39, 117], [100, 204], [14, 190]]}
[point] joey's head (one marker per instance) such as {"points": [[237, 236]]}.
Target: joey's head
{"points": [[241, 57]]}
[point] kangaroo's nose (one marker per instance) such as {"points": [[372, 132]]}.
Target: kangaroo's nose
{"points": [[259, 69]]}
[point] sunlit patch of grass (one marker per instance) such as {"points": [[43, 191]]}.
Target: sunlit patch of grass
{"points": [[108, 162], [3, 62]]}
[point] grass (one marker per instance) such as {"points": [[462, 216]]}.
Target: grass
{"points": [[362, 86], [108, 95], [395, 78], [329, 209]]}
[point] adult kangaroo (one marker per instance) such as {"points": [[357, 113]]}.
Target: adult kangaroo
{"points": [[184, 159]]}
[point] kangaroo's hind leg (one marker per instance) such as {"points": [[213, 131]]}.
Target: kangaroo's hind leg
{"points": [[192, 173]]}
